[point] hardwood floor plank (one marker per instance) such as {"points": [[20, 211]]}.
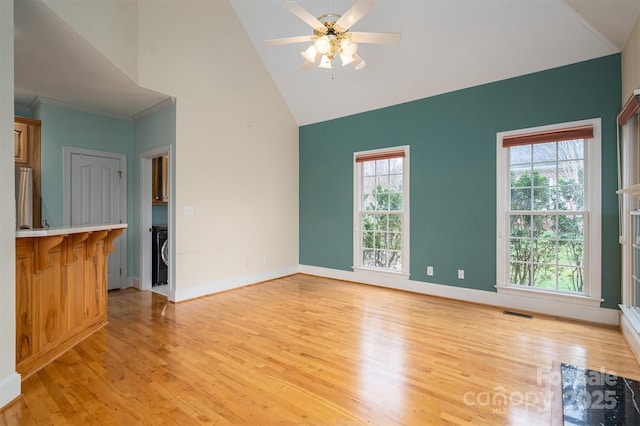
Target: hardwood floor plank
{"points": [[308, 350]]}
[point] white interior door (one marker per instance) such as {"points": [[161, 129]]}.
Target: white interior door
{"points": [[95, 196]]}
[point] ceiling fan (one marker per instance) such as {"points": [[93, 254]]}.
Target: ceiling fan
{"points": [[331, 36]]}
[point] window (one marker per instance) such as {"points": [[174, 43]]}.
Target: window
{"points": [[630, 214], [381, 210], [548, 219]]}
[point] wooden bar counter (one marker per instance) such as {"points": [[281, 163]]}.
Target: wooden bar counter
{"points": [[61, 290]]}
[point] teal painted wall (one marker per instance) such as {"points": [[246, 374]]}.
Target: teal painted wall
{"points": [[67, 127], [159, 215], [22, 111], [154, 131], [453, 170]]}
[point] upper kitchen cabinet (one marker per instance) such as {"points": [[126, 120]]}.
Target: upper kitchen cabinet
{"points": [[26, 134], [160, 175]]}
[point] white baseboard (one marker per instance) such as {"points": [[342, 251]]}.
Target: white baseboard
{"points": [[556, 308], [9, 389], [134, 282], [630, 334], [213, 287]]}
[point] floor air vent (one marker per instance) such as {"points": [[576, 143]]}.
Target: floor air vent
{"points": [[518, 314]]}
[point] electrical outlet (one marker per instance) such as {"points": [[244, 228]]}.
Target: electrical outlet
{"points": [[266, 260], [430, 270], [461, 274], [188, 210]]}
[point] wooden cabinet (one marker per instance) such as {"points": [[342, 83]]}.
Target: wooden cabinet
{"points": [[160, 176], [61, 293], [26, 135]]}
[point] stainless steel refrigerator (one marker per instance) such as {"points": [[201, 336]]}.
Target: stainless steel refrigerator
{"points": [[24, 197]]}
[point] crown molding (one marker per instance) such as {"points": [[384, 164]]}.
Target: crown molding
{"points": [[45, 101], [154, 108]]}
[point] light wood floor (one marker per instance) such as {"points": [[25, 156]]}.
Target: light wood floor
{"points": [[307, 350]]}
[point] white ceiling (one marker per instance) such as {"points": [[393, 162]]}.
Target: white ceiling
{"points": [[447, 45], [53, 62]]}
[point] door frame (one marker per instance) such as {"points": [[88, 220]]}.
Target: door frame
{"points": [[144, 180], [67, 152]]}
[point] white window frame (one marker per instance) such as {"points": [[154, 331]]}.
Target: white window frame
{"points": [[630, 155], [357, 223], [593, 219]]}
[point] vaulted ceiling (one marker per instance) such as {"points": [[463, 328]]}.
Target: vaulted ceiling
{"points": [[446, 45]]}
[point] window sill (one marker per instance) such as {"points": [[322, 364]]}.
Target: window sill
{"points": [[549, 295], [380, 272]]}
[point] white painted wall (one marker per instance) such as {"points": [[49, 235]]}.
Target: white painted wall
{"points": [[114, 33], [631, 63], [9, 379], [236, 146]]}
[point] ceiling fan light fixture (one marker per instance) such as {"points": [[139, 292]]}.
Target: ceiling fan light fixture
{"points": [[332, 36], [348, 47], [346, 59], [322, 44], [325, 62], [311, 54]]}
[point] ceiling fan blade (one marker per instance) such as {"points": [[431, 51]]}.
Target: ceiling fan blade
{"points": [[358, 63], [287, 40], [355, 12], [307, 66], [378, 38], [297, 10]]}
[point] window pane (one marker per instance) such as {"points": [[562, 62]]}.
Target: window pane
{"points": [[544, 251], [368, 258], [544, 152], [395, 201], [395, 223], [571, 198], [545, 226], [369, 168], [368, 185], [382, 222], [394, 260], [571, 227], [520, 154], [520, 250], [570, 279], [380, 239], [395, 166], [520, 177], [368, 222], [571, 150], [367, 240], [520, 226], [544, 198], [521, 199], [370, 202], [383, 183], [571, 172], [520, 273], [395, 241], [383, 202], [382, 167], [545, 174], [544, 276], [395, 183]]}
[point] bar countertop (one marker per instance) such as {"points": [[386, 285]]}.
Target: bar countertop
{"points": [[49, 232]]}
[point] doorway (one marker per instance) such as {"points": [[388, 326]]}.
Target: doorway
{"points": [[156, 177], [95, 194]]}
